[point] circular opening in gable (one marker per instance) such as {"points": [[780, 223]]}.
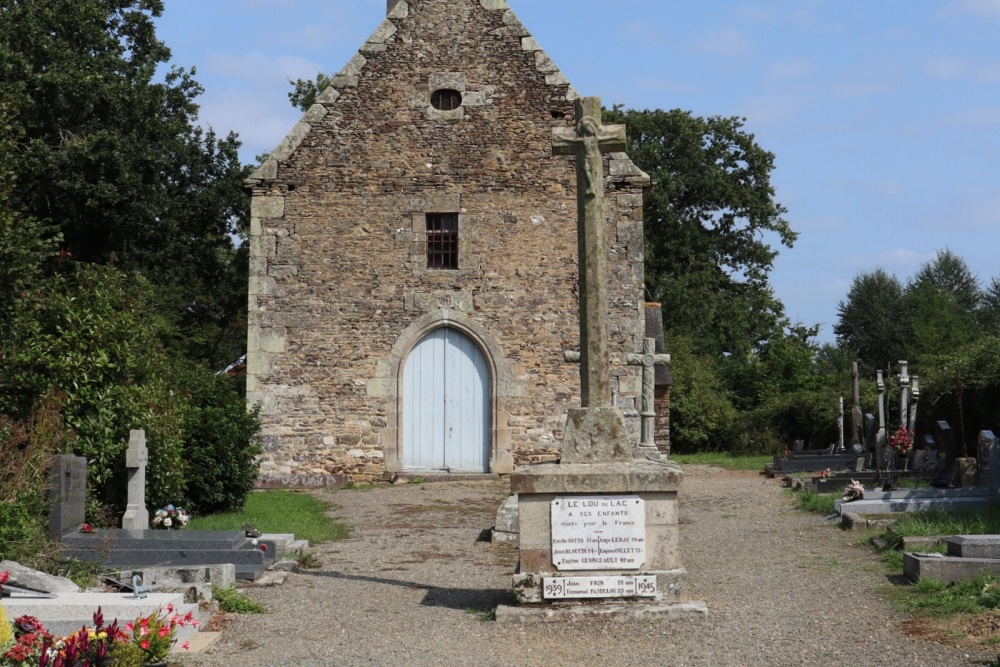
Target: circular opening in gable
{"points": [[446, 99]]}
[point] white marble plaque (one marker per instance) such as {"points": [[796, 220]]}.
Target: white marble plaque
{"points": [[555, 588], [598, 532]]}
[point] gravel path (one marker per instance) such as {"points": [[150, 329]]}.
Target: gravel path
{"points": [[408, 586]]}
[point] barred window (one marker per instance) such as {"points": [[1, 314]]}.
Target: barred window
{"points": [[446, 99], [442, 241]]}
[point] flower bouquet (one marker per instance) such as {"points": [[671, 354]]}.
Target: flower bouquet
{"points": [[155, 634], [901, 441], [170, 517], [824, 474], [854, 491]]}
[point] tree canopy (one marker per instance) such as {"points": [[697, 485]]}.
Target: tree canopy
{"points": [[708, 218]]}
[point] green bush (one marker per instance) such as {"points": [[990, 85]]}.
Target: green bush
{"points": [[220, 443], [90, 334]]}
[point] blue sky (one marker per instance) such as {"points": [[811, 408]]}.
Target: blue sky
{"points": [[884, 116]]}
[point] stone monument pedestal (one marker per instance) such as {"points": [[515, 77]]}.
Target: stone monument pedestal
{"points": [[598, 539]]}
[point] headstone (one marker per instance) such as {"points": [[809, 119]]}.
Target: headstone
{"points": [[904, 394], [857, 436], [914, 401], [798, 445], [871, 429], [989, 462], [68, 495], [654, 330], [136, 456], [880, 438], [945, 437], [648, 360], [30, 579], [840, 426]]}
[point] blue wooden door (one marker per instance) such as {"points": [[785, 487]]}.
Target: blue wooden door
{"points": [[446, 404]]}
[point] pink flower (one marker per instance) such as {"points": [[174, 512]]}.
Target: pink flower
{"points": [[129, 626], [164, 631], [143, 632], [195, 623], [170, 608], [186, 645], [144, 645]]}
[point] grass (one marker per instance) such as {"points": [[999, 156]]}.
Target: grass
{"points": [[817, 503], [234, 602], [723, 460], [929, 597], [278, 512], [936, 522]]}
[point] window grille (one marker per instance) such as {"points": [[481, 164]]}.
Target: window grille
{"points": [[442, 241], [446, 99]]}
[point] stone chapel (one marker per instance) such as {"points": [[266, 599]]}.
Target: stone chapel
{"points": [[413, 259]]}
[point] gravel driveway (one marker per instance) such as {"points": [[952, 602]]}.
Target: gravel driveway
{"points": [[410, 586]]}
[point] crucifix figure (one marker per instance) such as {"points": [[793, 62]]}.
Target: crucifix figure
{"points": [[649, 360], [587, 141], [904, 394]]}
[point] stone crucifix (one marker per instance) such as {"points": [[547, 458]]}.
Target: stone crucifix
{"points": [[649, 360], [880, 438], [136, 456], [904, 394], [587, 141]]}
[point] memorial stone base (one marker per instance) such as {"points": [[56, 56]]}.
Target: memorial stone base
{"points": [[599, 539]]}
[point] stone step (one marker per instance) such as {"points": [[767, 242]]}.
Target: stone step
{"points": [[69, 612], [285, 543], [974, 546], [892, 505], [109, 538], [947, 569]]}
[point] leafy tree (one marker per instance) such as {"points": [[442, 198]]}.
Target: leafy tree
{"points": [[988, 313], [118, 162], [872, 322], [949, 274], [305, 91], [707, 220], [89, 333], [938, 323], [702, 416]]}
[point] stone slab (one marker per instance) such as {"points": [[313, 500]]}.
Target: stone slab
{"points": [[507, 516], [157, 539], [38, 581], [974, 546], [178, 579], [926, 492], [619, 477], [135, 558], [670, 584], [864, 507], [606, 532], [947, 569], [567, 613], [595, 435]]}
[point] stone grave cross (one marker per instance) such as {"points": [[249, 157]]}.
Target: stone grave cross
{"points": [[136, 456], [857, 434], [587, 141], [649, 360], [904, 394], [880, 437]]}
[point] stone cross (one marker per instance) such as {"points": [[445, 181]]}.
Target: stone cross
{"points": [[840, 425], [914, 400], [880, 437], [136, 456], [857, 436], [649, 360], [587, 141], [904, 394]]}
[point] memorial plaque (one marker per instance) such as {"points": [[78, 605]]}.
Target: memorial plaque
{"points": [[598, 532], [556, 588]]}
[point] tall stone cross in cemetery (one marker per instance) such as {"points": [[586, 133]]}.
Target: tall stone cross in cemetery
{"points": [[857, 429], [633, 558], [587, 141]]}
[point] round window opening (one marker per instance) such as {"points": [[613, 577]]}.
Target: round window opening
{"points": [[446, 99]]}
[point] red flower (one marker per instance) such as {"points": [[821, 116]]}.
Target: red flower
{"points": [[144, 645]]}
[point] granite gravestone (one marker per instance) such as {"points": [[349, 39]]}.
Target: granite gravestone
{"points": [[989, 462], [623, 537], [136, 456], [68, 495]]}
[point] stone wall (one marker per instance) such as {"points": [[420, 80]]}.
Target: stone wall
{"points": [[339, 289]]}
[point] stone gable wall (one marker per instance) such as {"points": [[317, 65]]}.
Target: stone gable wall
{"points": [[339, 290]]}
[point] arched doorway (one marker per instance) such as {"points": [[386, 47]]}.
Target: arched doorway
{"points": [[446, 404]]}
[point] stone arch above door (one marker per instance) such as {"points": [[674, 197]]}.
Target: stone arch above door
{"points": [[389, 385]]}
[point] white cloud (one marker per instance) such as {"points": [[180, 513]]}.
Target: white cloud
{"points": [[985, 8], [951, 69], [259, 68], [728, 42], [975, 118], [262, 118], [792, 68], [902, 259]]}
